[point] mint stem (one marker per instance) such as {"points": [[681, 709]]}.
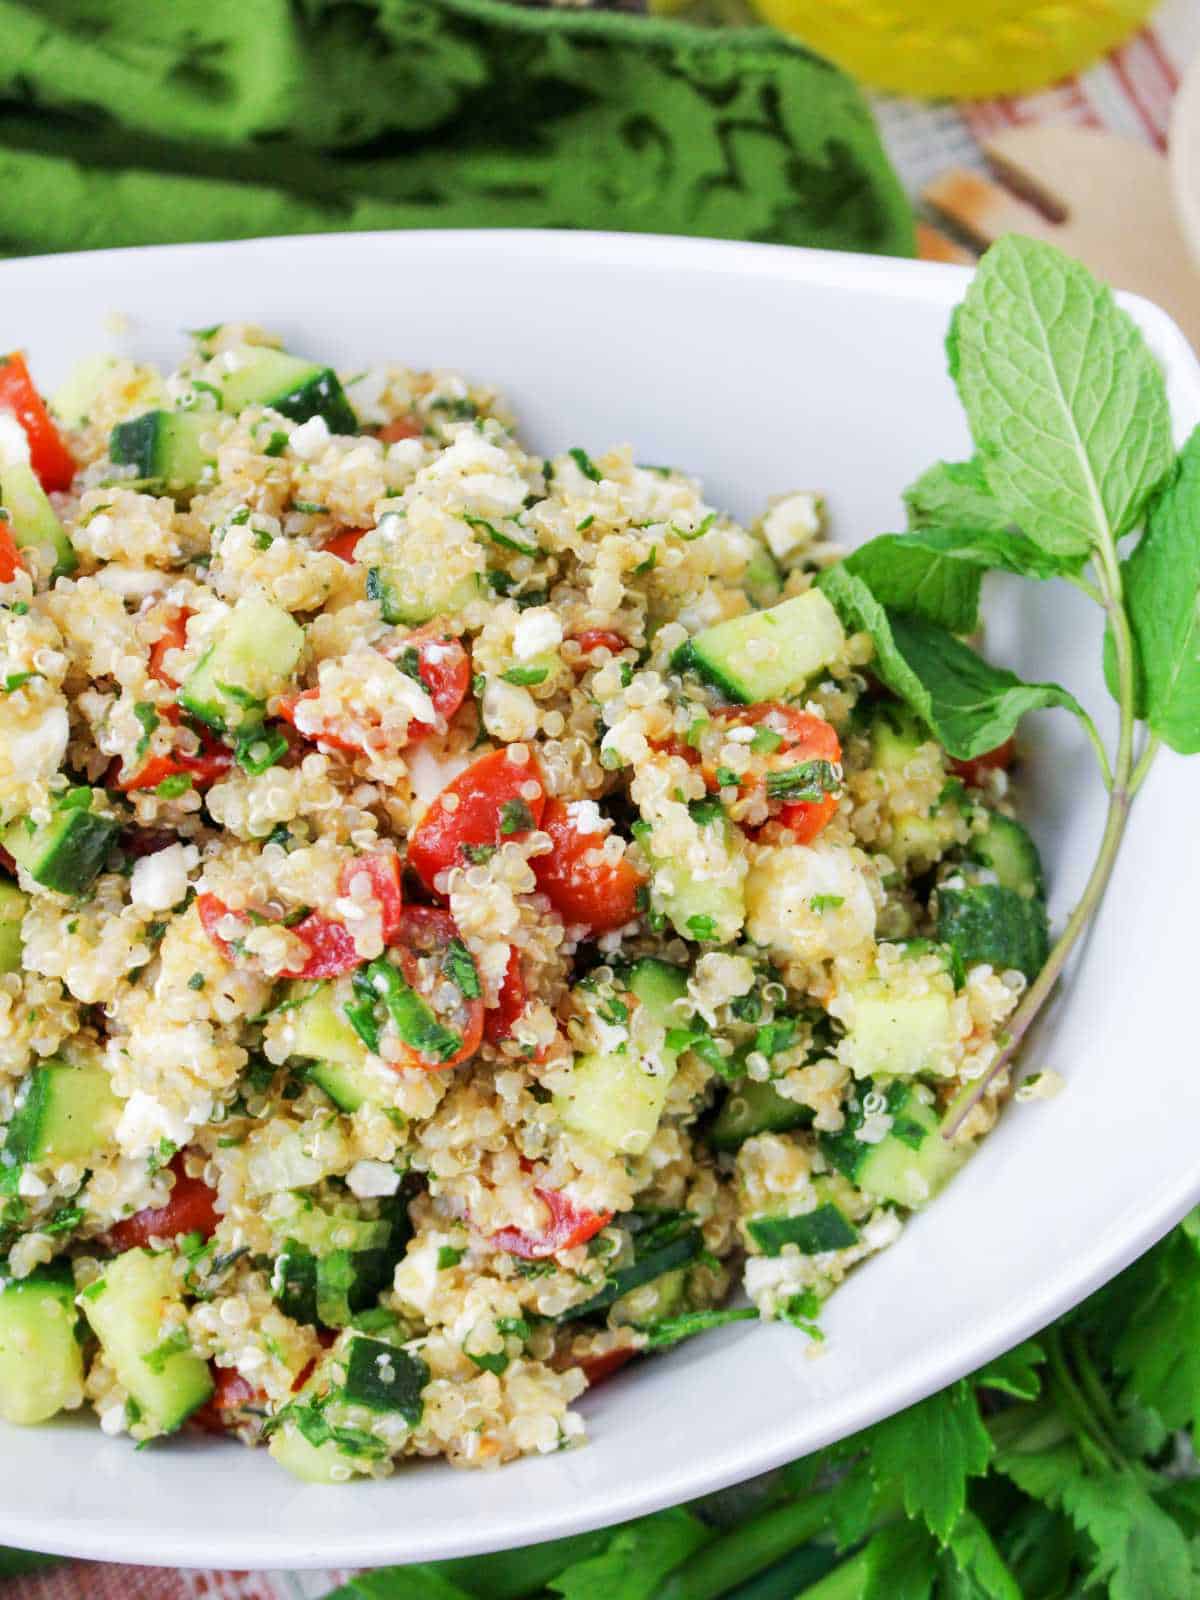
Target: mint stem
{"points": [[737, 1556], [1124, 782]]}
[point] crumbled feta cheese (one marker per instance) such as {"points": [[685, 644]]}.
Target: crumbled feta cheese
{"points": [[145, 1122], [415, 699], [371, 1179], [429, 773], [160, 881], [537, 630], [793, 522], [310, 438], [39, 750]]}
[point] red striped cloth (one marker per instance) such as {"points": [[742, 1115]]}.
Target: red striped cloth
{"points": [[1130, 93]]}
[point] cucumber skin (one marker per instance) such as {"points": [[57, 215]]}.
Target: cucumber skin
{"points": [[987, 922], [1008, 849], [67, 853], [678, 1252], [824, 1228], [365, 1387], [751, 1108], [163, 446], [47, 1127]]}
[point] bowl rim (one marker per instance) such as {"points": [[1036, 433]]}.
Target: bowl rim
{"points": [[902, 280]]}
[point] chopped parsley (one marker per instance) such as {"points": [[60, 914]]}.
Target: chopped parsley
{"points": [[827, 902], [196, 981], [171, 788], [460, 968], [149, 718], [515, 817], [585, 464], [526, 677], [448, 1256]]}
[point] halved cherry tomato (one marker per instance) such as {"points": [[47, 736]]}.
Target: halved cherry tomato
{"points": [[212, 761], [568, 1226], [48, 455], [10, 560], [805, 738], [331, 947], [974, 772], [598, 1367], [190, 1209], [173, 637], [344, 544], [597, 639], [400, 428], [7, 862], [500, 1020], [490, 807], [231, 1394], [443, 666], [382, 868], [600, 894], [423, 940]]}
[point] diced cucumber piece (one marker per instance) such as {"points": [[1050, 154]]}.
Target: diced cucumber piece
{"points": [[824, 1228], [761, 579], [312, 1463], [707, 905], [331, 1267], [63, 1113], [895, 1033], [392, 578], [322, 1033], [614, 1100], [896, 736], [73, 400], [13, 905], [253, 656], [67, 852], [751, 1108], [680, 1251], [165, 448], [33, 520], [126, 1308], [1006, 847], [766, 655], [910, 1163], [41, 1360], [325, 1232], [618, 1099], [659, 986], [327, 1287], [651, 1302], [384, 1378], [987, 922], [295, 388]]}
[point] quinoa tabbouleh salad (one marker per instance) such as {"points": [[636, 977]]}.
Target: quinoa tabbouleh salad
{"points": [[461, 915]]}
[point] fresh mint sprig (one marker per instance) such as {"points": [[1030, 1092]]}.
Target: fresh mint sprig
{"points": [[1068, 412]]}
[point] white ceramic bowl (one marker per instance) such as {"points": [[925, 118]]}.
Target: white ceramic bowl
{"points": [[764, 369]]}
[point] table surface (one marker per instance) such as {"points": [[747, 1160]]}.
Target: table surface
{"points": [[1129, 93]]}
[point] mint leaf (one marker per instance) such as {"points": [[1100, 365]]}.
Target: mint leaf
{"points": [[1161, 580], [925, 576], [638, 1559], [969, 705], [1140, 1552], [422, 1582], [1066, 404], [955, 494], [931, 1450]]}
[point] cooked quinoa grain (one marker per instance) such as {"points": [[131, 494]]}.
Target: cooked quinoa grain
{"points": [[463, 914]]}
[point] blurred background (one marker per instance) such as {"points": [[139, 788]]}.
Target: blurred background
{"points": [[889, 126]]}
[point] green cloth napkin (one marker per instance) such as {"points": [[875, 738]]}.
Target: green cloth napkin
{"points": [[127, 122]]}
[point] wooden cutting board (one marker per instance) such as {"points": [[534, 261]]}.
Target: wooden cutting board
{"points": [[1102, 198]]}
